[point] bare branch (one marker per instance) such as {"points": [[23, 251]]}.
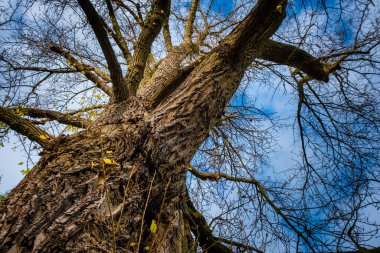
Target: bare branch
{"points": [[260, 23], [217, 176], [86, 109], [138, 17], [151, 28], [39, 69], [84, 69], [207, 240], [290, 55], [24, 127], [259, 187], [167, 36], [120, 91], [118, 37], [54, 115], [190, 21], [238, 244]]}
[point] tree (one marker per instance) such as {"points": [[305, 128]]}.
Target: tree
{"points": [[143, 87]]}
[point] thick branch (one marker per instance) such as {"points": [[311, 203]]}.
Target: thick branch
{"points": [[261, 22], [167, 36], [328, 68], [54, 115], [201, 99], [24, 127], [99, 72], [168, 75], [151, 28], [190, 21], [120, 90], [84, 69], [162, 91], [293, 56], [241, 46]]}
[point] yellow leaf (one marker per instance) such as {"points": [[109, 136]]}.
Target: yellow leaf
{"points": [[132, 244], [92, 164], [71, 128], [20, 163], [44, 137], [189, 168], [153, 227], [18, 112], [24, 172], [107, 161], [109, 152], [279, 8]]}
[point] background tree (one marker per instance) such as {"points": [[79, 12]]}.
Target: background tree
{"points": [[150, 140]]}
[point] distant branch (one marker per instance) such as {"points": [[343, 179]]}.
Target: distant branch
{"points": [[238, 244], [38, 69], [137, 16], [84, 69], [259, 187], [12, 66], [362, 250], [207, 240], [118, 37]]}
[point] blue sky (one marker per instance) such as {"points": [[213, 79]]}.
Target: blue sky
{"points": [[10, 170], [221, 7]]}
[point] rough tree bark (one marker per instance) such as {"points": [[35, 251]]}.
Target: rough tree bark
{"points": [[107, 187]]}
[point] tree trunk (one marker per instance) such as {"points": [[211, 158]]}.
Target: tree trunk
{"points": [[100, 190], [105, 188], [120, 185]]}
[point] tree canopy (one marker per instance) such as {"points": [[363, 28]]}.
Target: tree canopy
{"points": [[63, 63]]}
